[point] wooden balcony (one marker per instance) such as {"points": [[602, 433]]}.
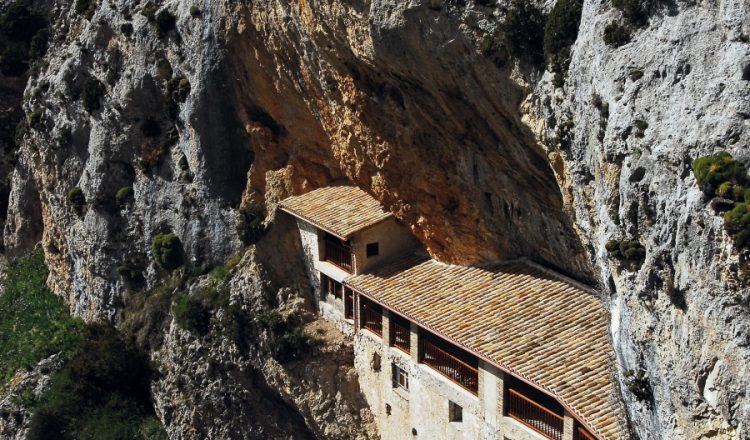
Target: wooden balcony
{"points": [[371, 317], [535, 416], [400, 334], [451, 366], [338, 253]]}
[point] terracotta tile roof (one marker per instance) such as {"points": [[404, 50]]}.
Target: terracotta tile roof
{"points": [[520, 317], [340, 210]]}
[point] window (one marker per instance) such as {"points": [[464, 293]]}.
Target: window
{"points": [[373, 249], [455, 412], [330, 286], [400, 378], [375, 362]]}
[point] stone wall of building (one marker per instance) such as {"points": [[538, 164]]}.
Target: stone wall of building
{"points": [[393, 238]]}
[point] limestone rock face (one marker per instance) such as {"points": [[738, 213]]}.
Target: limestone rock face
{"points": [[245, 103], [682, 316]]}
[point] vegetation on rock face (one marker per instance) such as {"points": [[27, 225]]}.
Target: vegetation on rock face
{"points": [[167, 249], [639, 385], [123, 196], [250, 226], [560, 32], [286, 338], [76, 199], [34, 323], [521, 35], [721, 175], [102, 392], [626, 251], [23, 38], [191, 314]]}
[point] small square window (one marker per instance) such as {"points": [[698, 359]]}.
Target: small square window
{"points": [[455, 412], [400, 378], [373, 249]]}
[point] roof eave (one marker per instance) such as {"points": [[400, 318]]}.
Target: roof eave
{"points": [[499, 365]]}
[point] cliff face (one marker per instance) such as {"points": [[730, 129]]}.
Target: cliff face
{"points": [[216, 116], [682, 316]]}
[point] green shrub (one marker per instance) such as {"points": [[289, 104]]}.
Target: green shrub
{"points": [[250, 226], [737, 225], [76, 199], [286, 339], [92, 92], [639, 385], [167, 249], [145, 315], [178, 89], [616, 35], [123, 196], [191, 314], [165, 22], [195, 12], [34, 323], [626, 251], [560, 32], [712, 171], [102, 392], [521, 35]]}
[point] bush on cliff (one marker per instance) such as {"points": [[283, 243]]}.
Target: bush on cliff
{"points": [[76, 199], [191, 314], [630, 251], [521, 35], [167, 250], [102, 392], [560, 32], [719, 169], [34, 323]]}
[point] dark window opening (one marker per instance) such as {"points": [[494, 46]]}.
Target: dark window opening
{"points": [[331, 287], [400, 378], [455, 412], [373, 249]]}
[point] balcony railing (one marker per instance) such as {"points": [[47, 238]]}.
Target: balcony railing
{"points": [[582, 434], [449, 365], [338, 254], [534, 415], [401, 334], [372, 318]]}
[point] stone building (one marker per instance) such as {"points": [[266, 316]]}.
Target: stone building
{"points": [[504, 350]]}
